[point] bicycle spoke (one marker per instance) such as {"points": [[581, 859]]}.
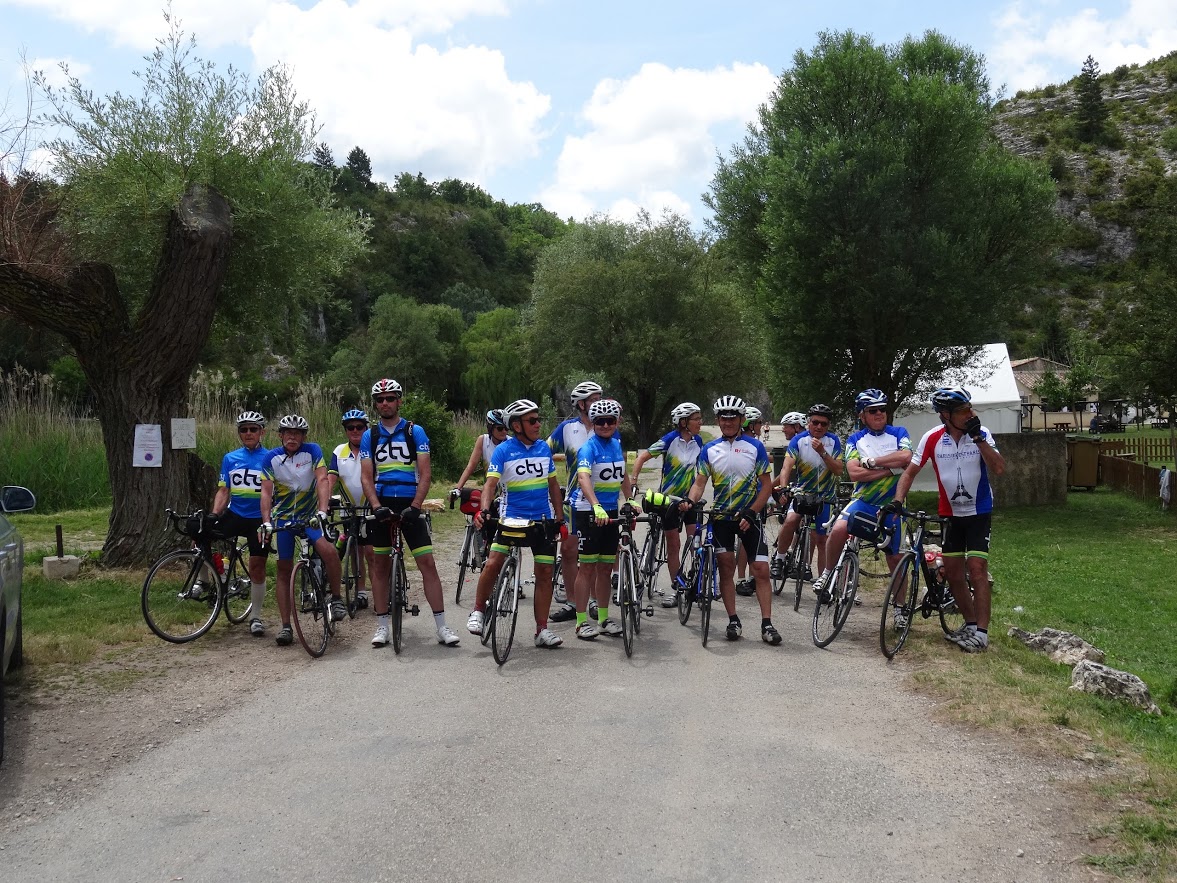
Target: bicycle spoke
{"points": [[238, 595], [311, 622], [897, 615], [505, 609], [180, 601]]}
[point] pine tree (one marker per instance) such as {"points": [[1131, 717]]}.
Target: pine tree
{"points": [[323, 158], [359, 165], [1091, 113]]}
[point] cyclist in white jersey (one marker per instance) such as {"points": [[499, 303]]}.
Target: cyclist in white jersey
{"points": [[963, 454], [566, 439], [484, 446], [344, 472]]}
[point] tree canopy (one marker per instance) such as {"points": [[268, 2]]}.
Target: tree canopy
{"points": [[884, 230]]}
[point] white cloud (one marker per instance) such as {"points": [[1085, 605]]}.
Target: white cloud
{"points": [[453, 112], [50, 68], [651, 138], [1034, 46]]}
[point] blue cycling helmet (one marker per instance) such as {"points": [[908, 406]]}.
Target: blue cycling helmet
{"points": [[949, 398], [354, 414], [869, 398], [495, 418]]}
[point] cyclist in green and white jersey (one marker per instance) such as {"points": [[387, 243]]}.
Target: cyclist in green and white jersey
{"points": [[344, 472], [753, 425]]}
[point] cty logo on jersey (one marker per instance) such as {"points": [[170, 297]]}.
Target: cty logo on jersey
{"points": [[246, 480], [524, 468], [394, 452]]}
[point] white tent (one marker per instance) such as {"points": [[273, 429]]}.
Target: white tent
{"points": [[995, 399]]}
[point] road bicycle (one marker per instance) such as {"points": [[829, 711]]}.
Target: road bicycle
{"points": [[186, 589], [310, 592], [653, 553], [502, 611], [702, 575], [351, 520], [903, 600], [473, 555], [398, 583], [838, 595], [794, 564], [633, 593]]}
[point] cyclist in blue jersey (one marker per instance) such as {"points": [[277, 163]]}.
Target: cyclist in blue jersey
{"points": [[602, 484], [238, 504], [753, 425], [679, 450], [963, 454], [523, 468], [344, 472], [565, 440], [396, 473], [876, 456], [741, 475], [484, 445], [294, 484], [816, 456]]}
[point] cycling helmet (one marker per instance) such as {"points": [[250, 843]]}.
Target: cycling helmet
{"points": [[251, 417], [820, 410], [604, 408], [793, 418], [729, 405], [683, 411], [518, 408], [753, 415], [354, 414], [869, 398], [385, 386], [582, 391], [293, 421], [495, 418], [949, 398]]}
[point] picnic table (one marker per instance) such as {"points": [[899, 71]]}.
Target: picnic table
{"points": [[1061, 427], [1160, 422]]}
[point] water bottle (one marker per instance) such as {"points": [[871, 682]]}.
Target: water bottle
{"points": [[219, 563]]}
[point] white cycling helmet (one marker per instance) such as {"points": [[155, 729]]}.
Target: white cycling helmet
{"points": [[583, 390], [729, 406], [386, 385], [752, 415], [683, 411], [793, 418], [251, 417], [518, 408], [294, 421], [604, 408]]}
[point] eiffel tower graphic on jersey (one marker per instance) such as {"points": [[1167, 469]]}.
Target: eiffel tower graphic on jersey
{"points": [[960, 490]]}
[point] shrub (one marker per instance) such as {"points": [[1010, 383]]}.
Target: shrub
{"points": [[438, 424], [1169, 139]]}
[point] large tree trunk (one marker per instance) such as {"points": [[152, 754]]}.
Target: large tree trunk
{"points": [[138, 368]]}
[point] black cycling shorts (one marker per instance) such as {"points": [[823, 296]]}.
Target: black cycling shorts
{"points": [[415, 534], [727, 533], [968, 536], [598, 543], [234, 525], [539, 538]]}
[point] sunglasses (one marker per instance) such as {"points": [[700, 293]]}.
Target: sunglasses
{"points": [[496, 427], [876, 410], [356, 427], [532, 421], [819, 423], [249, 429], [380, 400], [604, 421]]}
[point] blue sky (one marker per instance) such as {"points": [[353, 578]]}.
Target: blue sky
{"points": [[603, 106]]}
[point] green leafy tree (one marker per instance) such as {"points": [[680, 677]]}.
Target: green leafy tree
{"points": [[1091, 114], [1052, 390], [469, 301], [886, 233], [494, 372], [192, 202], [639, 306]]}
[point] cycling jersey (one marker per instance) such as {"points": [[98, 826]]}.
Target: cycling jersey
{"points": [[865, 443], [809, 469], [241, 473], [604, 462], [346, 464], [395, 474], [488, 448], [734, 468], [523, 471], [960, 471], [679, 459], [293, 476]]}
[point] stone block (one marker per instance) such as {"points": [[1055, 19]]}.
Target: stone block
{"points": [[65, 567]]}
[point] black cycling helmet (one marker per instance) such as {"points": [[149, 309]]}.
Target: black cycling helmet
{"points": [[949, 398], [820, 410]]}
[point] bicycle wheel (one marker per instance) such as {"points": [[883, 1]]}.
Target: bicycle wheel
{"points": [[350, 574], [400, 600], [180, 601], [238, 596], [800, 562], [833, 606], [558, 576], [896, 621], [686, 597], [312, 623], [951, 618], [464, 562], [505, 610], [626, 600], [706, 594]]}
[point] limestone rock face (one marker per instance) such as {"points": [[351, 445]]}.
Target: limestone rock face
{"points": [[1092, 677]]}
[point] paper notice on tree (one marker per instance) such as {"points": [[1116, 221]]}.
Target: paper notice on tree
{"points": [[183, 433], [148, 445]]}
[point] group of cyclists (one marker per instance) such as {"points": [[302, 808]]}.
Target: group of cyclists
{"points": [[385, 465]]}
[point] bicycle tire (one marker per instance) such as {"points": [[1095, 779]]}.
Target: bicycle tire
{"points": [[891, 637], [312, 621], [173, 607], [464, 562], [800, 561], [349, 575], [686, 598], [505, 610], [400, 600], [558, 573], [829, 616], [951, 619], [626, 600], [706, 595], [238, 602], [646, 558]]}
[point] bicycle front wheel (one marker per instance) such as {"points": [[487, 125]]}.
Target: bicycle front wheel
{"points": [[686, 598], [311, 619], [238, 594], [350, 575], [400, 600], [627, 600], [834, 603], [707, 580], [504, 609], [898, 615], [180, 599], [464, 562], [800, 562]]}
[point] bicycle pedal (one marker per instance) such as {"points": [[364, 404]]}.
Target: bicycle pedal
{"points": [[649, 610], [414, 610]]}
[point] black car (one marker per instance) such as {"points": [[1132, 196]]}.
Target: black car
{"points": [[12, 560]]}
